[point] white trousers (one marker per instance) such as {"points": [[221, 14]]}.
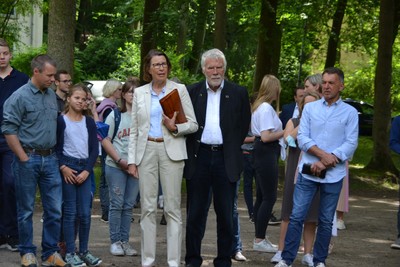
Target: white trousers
{"points": [[157, 166]]}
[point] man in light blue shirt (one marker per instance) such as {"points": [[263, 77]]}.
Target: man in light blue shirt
{"points": [[328, 135]]}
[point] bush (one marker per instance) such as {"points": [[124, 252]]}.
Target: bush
{"points": [[99, 58], [22, 61]]}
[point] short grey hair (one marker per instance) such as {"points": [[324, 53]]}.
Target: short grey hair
{"points": [[212, 53]]}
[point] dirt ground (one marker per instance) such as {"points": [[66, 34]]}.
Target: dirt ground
{"points": [[371, 228]]}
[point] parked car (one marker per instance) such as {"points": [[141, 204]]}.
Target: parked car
{"points": [[97, 89], [365, 115]]}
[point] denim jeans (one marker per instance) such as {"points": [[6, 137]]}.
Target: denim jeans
{"points": [[77, 201], [237, 241], [44, 172], [103, 186], [8, 203], [248, 177], [303, 194], [123, 192]]}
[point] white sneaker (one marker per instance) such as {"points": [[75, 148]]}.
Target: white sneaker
{"points": [[307, 260], [277, 257], [239, 256], [282, 263], [320, 264], [265, 246], [128, 249], [116, 249], [340, 224]]}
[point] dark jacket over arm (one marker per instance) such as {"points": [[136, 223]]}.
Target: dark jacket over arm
{"points": [[93, 142]]}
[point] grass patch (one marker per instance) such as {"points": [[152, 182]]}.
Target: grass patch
{"points": [[362, 180]]}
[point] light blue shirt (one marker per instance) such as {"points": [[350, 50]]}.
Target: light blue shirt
{"points": [[156, 113], [333, 129]]}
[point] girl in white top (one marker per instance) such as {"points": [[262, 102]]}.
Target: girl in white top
{"points": [[267, 128]]}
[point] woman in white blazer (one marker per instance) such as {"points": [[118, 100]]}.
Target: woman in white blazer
{"points": [[157, 151]]}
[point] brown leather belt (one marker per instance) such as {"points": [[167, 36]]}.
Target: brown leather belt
{"points": [[41, 152], [154, 139]]}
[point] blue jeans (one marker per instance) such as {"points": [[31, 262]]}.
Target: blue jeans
{"points": [[123, 190], [237, 241], [8, 202], [103, 186], [248, 177], [44, 172], [303, 195], [77, 201]]}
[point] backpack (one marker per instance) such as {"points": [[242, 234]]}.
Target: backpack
{"points": [[117, 121]]}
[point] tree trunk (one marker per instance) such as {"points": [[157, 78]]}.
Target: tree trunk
{"points": [[61, 33], [268, 48], [199, 34], [381, 159], [183, 29], [148, 40], [333, 43], [220, 25], [83, 23]]}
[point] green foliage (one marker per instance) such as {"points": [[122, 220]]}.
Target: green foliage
{"points": [[128, 59], [181, 74], [129, 62], [22, 61], [99, 59]]}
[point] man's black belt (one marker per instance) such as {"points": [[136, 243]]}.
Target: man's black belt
{"points": [[212, 147], [41, 152]]}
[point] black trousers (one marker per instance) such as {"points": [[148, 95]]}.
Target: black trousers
{"points": [[266, 156], [210, 178]]}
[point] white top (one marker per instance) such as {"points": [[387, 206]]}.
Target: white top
{"points": [[76, 138], [265, 118], [212, 133]]}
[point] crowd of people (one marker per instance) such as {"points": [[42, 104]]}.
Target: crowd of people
{"points": [[50, 139]]}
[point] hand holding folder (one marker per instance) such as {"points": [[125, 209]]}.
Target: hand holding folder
{"points": [[171, 103]]}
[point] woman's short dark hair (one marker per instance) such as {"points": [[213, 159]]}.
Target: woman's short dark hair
{"points": [[147, 63]]}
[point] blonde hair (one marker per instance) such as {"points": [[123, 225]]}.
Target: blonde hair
{"points": [[269, 91], [110, 87], [302, 102]]}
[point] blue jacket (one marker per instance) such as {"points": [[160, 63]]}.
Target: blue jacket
{"points": [[93, 143]]}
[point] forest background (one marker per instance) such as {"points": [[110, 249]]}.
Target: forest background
{"points": [[101, 39]]}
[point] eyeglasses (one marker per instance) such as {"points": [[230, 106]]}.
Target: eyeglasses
{"points": [[67, 81], [159, 65]]}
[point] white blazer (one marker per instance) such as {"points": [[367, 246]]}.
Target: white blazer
{"points": [[175, 144]]}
